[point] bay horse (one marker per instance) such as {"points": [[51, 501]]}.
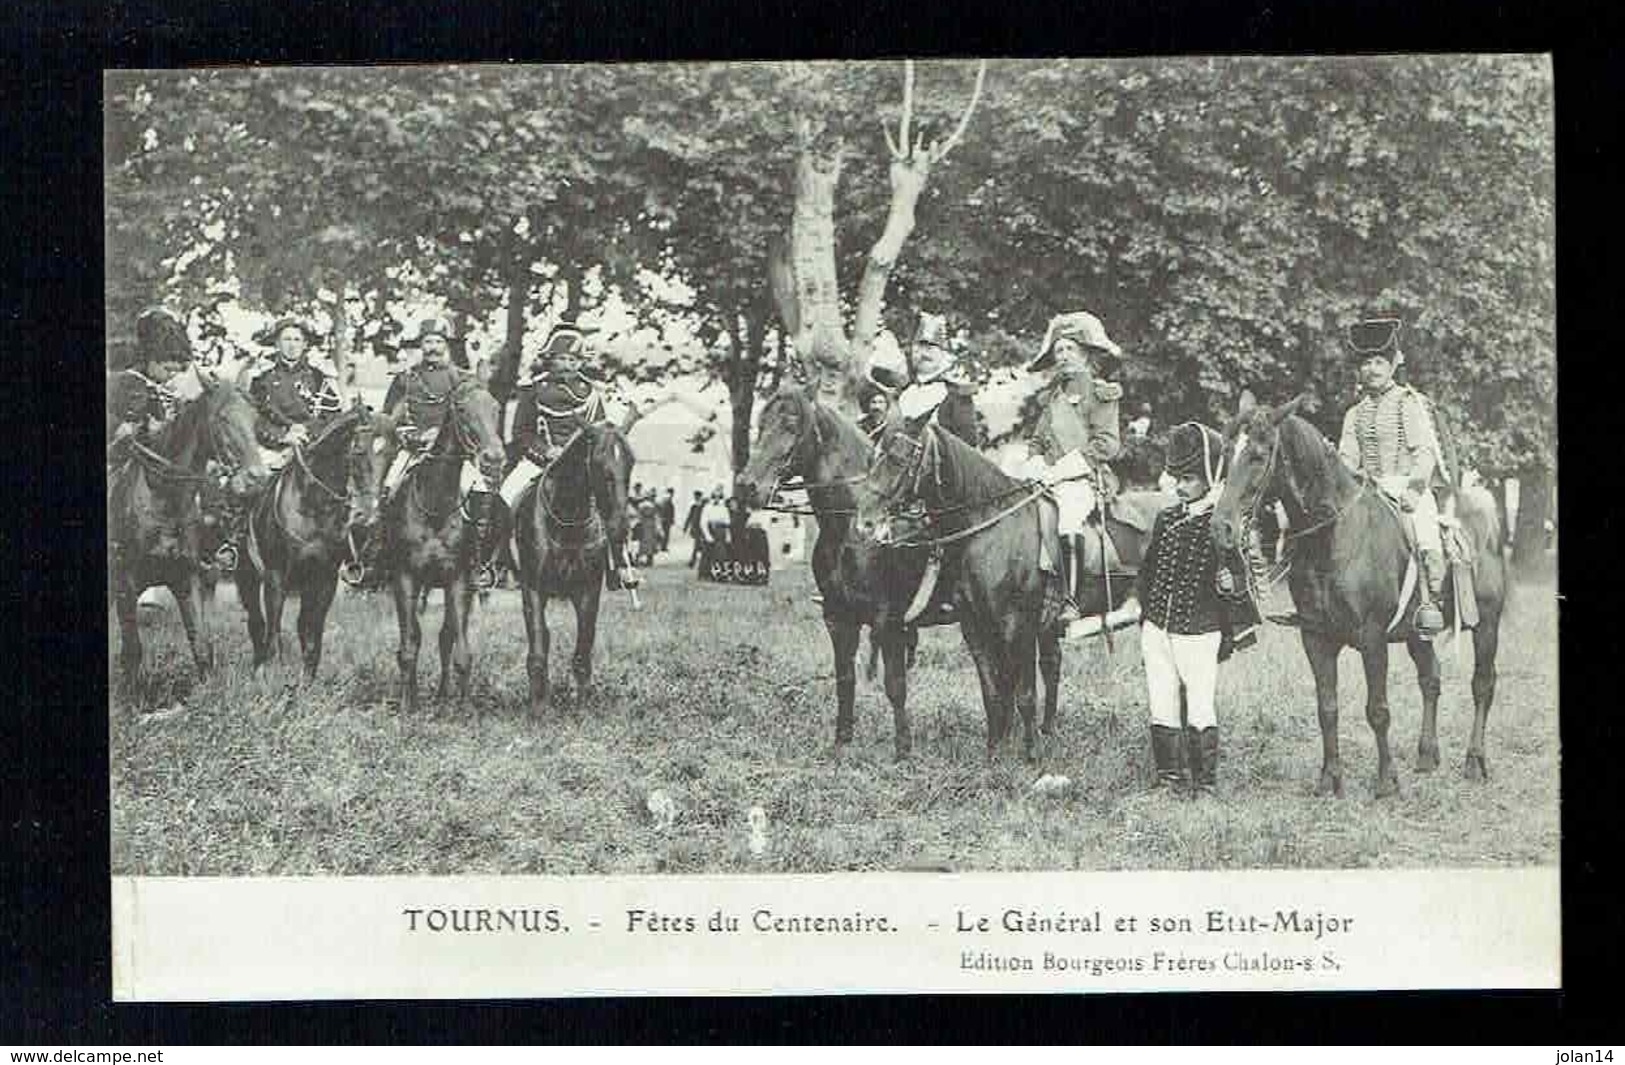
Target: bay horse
{"points": [[431, 537], [302, 529], [987, 525], [570, 529], [154, 514], [1348, 552]]}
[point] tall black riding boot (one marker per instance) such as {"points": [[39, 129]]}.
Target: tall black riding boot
{"points": [[1165, 754], [1204, 755]]}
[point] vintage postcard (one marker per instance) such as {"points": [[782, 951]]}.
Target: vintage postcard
{"points": [[762, 528]]}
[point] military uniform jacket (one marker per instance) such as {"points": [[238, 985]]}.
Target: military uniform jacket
{"points": [[553, 409], [1179, 575], [133, 397], [1388, 434], [420, 393], [286, 396], [1078, 414]]}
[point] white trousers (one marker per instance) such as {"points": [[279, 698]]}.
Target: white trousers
{"points": [[1426, 515], [469, 481], [1171, 660], [1074, 499], [518, 478]]}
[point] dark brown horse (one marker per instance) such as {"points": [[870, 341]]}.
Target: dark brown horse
{"points": [[431, 537], [1348, 554], [861, 584], [304, 527], [570, 529], [153, 514], [987, 525]]}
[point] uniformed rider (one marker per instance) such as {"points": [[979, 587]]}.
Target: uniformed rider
{"points": [[1076, 435], [557, 401], [293, 392], [416, 400], [142, 396], [1389, 437], [938, 390]]}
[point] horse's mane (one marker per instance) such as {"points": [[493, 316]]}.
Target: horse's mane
{"points": [[968, 472], [854, 442]]}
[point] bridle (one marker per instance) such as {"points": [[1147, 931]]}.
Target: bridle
{"points": [[904, 496], [809, 444]]}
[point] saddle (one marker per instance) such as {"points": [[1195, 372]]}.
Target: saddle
{"points": [[1458, 556]]}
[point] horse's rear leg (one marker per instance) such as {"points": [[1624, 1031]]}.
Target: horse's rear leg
{"points": [[536, 641], [586, 604], [1020, 655], [189, 602], [843, 639], [1322, 655], [314, 603], [1426, 658], [406, 654], [1375, 660], [248, 593], [893, 646], [1486, 645], [276, 594], [1049, 667]]}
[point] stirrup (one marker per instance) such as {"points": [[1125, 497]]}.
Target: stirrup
{"points": [[225, 556], [353, 574], [485, 576]]}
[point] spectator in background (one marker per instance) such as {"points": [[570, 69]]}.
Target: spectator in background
{"points": [[1140, 427], [668, 515], [691, 526]]}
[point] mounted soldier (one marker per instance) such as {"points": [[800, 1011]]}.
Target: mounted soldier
{"points": [[416, 400], [556, 403], [1074, 437], [142, 394], [938, 390], [1390, 438], [292, 392]]}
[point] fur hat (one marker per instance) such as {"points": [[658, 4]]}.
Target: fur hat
{"points": [[1081, 326], [161, 337], [434, 327], [1375, 336], [1195, 448]]}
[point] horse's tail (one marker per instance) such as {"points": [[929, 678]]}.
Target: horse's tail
{"points": [[1480, 517]]}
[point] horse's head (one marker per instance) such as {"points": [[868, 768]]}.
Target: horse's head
{"points": [[228, 436], [473, 428], [610, 460], [896, 476], [1258, 469], [366, 461], [788, 441]]}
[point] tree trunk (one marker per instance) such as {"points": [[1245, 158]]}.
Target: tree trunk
{"points": [[505, 378], [821, 340], [908, 177], [744, 368], [1534, 507], [341, 340]]}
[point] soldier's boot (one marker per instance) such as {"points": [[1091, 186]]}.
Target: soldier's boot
{"points": [[1059, 605], [1429, 618], [1165, 758], [1203, 745]]}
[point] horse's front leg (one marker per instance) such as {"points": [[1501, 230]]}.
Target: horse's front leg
{"points": [[894, 650], [991, 675], [843, 639], [406, 654], [1322, 655], [248, 593], [455, 657], [126, 602], [314, 602], [276, 596], [534, 602], [587, 601], [189, 602], [1426, 658], [1021, 654], [1375, 658]]}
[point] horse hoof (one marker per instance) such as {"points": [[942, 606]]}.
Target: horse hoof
{"points": [[1475, 769], [1387, 787], [1427, 760], [1329, 786]]}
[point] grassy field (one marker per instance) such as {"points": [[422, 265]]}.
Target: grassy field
{"points": [[723, 698]]}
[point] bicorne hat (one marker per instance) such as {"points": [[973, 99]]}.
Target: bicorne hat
{"points": [[1081, 326], [565, 338], [1195, 448]]}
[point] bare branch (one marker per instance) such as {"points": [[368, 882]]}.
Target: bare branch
{"points": [[908, 103], [890, 144], [964, 120]]}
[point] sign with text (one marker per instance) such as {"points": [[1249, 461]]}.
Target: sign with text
{"points": [[433, 937]]}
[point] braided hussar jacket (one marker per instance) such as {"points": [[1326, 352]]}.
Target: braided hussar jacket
{"points": [[552, 410], [422, 392], [1179, 575], [286, 396], [1388, 434]]}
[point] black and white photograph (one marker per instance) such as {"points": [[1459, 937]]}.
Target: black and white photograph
{"points": [[831, 477]]}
